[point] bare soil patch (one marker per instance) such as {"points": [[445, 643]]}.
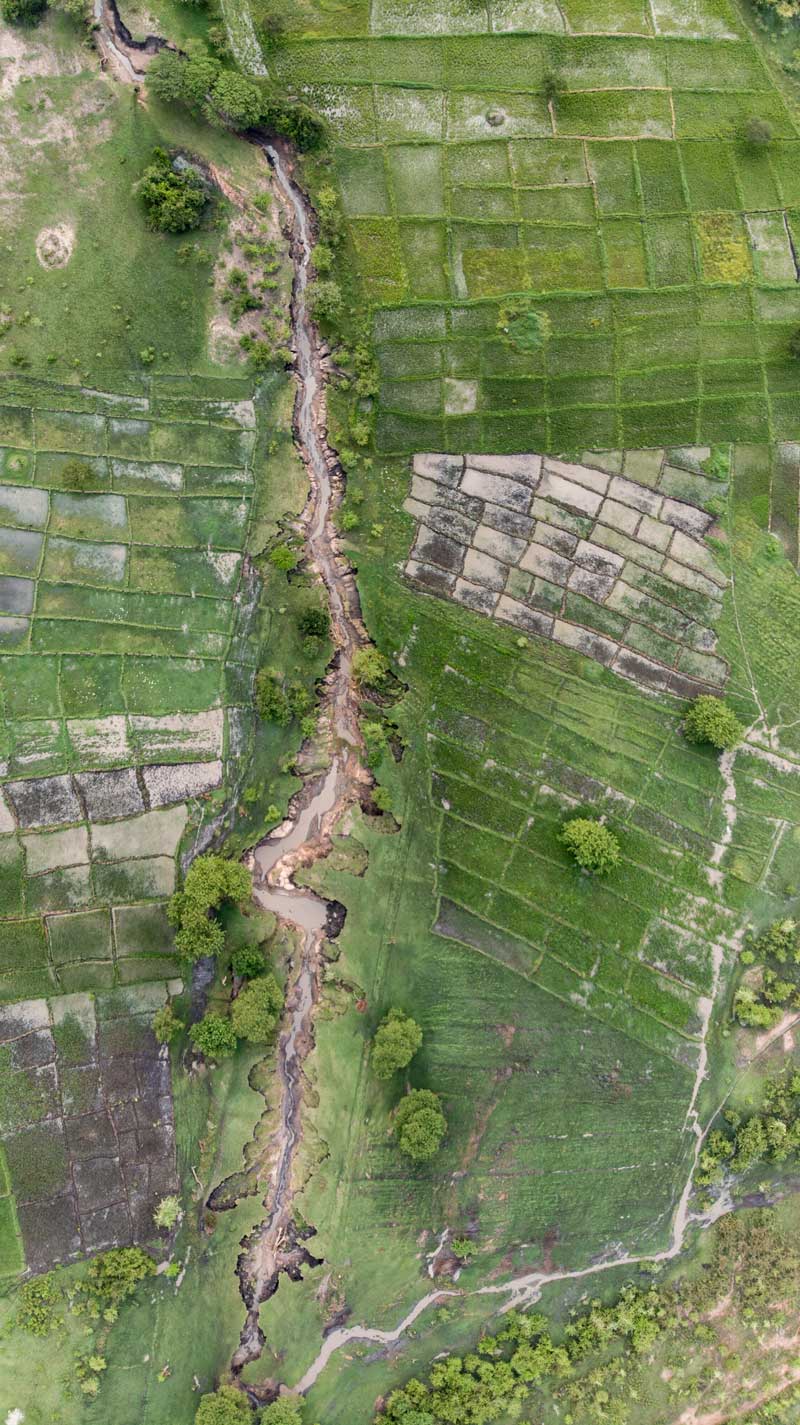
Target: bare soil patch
{"points": [[54, 245]]}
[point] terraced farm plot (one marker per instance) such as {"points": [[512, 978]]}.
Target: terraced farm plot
{"points": [[629, 210], [607, 557], [128, 647], [86, 1119]]}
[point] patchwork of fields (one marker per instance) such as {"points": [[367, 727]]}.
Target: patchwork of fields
{"points": [[659, 244], [128, 654], [86, 1119], [129, 642]]}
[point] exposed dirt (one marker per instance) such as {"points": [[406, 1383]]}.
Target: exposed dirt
{"points": [[54, 245]]}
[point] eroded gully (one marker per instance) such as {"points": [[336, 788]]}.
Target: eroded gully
{"points": [[305, 836]]}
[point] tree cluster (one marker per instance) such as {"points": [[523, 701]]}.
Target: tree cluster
{"points": [[230, 1406], [771, 1136], [254, 1016], [222, 95], [210, 880], [173, 201], [777, 953], [497, 1378]]}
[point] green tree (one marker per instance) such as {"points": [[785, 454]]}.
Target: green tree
{"points": [[22, 12], [286, 1410], [256, 1009], [226, 1406], [248, 961], [593, 846], [271, 701], [173, 202], [76, 475], [166, 1024], [794, 344], [214, 1036], [166, 76], [710, 720], [419, 1124], [238, 99], [325, 299], [210, 880], [115, 1275], [369, 667], [396, 1041], [315, 622]]}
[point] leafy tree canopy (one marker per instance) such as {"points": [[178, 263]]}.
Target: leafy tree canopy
{"points": [[214, 1036], [286, 1410], [22, 12], [710, 720], [396, 1042], [166, 1024], [419, 1124], [594, 847], [226, 1406], [256, 1009], [173, 202], [238, 99]]}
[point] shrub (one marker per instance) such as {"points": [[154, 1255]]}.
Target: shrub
{"points": [[710, 720], [166, 1024], [248, 961], [173, 202], [22, 12], [315, 622], [283, 557], [168, 1212], [419, 1124], [593, 846], [76, 475], [522, 327], [238, 99], [115, 1275], [271, 701], [396, 1041], [369, 666], [286, 1410], [551, 86], [256, 1010], [758, 133], [296, 122], [214, 1036], [325, 299], [226, 1406], [37, 1311]]}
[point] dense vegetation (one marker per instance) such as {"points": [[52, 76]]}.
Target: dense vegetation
{"points": [[210, 880]]}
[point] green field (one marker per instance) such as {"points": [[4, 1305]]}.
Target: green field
{"points": [[630, 209]]}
